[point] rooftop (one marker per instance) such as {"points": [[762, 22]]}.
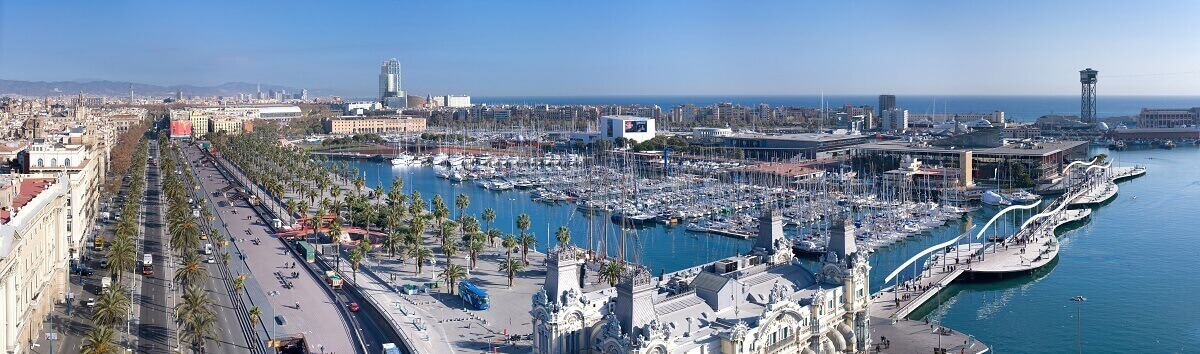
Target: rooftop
{"points": [[1039, 148], [814, 137]]}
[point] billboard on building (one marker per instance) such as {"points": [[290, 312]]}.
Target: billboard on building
{"points": [[635, 126], [181, 128]]}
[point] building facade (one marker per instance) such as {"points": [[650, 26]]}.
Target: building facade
{"points": [[894, 120], [1168, 118], [33, 256], [373, 125], [637, 129], [760, 302]]}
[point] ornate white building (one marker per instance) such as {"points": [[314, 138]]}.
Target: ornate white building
{"points": [[760, 302]]}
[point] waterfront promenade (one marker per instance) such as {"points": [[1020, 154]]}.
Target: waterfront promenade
{"points": [[1032, 247], [317, 318]]}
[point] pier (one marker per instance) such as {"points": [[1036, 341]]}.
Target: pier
{"points": [[1033, 246]]}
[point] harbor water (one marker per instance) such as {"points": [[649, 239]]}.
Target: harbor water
{"points": [[1132, 260]]}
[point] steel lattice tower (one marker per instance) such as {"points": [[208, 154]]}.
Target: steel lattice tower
{"points": [[1087, 101]]}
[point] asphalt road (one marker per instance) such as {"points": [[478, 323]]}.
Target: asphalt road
{"points": [[154, 331]]}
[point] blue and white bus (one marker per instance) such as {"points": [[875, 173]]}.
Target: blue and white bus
{"points": [[474, 295]]}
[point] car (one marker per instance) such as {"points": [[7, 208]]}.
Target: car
{"points": [[91, 302], [280, 320], [352, 306], [104, 263], [84, 272], [211, 260]]}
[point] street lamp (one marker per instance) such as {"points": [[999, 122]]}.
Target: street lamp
{"points": [[1079, 320]]}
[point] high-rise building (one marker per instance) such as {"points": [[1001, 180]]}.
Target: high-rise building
{"points": [[886, 102], [389, 80]]}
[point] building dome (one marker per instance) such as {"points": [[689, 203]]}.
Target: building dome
{"points": [[1101, 126]]}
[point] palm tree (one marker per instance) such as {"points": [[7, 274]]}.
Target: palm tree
{"points": [[421, 254], [199, 329], [99, 341], [509, 242], [335, 230], [511, 267], [474, 247], [255, 314], [364, 246], [563, 235], [112, 306], [489, 216], [449, 249], [392, 242], [446, 230], [523, 222], [239, 282], [492, 235], [451, 273], [185, 235], [192, 272], [527, 241], [611, 272], [355, 257], [461, 201], [121, 256]]}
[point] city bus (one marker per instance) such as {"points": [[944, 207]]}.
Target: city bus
{"points": [[473, 295], [147, 264]]}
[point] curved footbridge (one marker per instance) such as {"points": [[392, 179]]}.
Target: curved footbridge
{"points": [[1032, 247]]}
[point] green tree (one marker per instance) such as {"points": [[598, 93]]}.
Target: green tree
{"points": [[355, 257], [99, 341], [489, 216], [611, 272], [421, 254], [509, 242], [563, 235], [527, 242], [511, 267], [112, 306], [452, 272]]}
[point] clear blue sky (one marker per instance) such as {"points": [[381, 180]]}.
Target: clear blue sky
{"points": [[489, 48]]}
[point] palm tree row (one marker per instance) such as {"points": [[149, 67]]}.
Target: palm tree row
{"points": [[186, 225], [113, 304], [314, 184]]}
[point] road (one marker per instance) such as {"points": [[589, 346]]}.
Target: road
{"points": [[158, 295], [317, 317], [154, 331]]}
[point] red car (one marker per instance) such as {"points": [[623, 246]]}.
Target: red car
{"points": [[353, 306]]}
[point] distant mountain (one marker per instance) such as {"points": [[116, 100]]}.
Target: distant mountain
{"points": [[121, 89]]}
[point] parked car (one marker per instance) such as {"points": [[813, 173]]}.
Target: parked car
{"points": [[85, 272], [91, 302]]}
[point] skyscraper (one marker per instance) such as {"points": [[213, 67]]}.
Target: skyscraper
{"points": [[886, 102], [389, 80]]}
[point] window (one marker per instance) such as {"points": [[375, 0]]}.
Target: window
{"points": [[67, 162], [40, 163], [53, 162]]}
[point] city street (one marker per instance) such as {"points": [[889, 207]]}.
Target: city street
{"points": [[291, 305]]}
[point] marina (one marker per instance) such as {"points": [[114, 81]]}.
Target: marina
{"points": [[679, 235]]}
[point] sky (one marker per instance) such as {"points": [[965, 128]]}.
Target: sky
{"points": [[572, 48]]}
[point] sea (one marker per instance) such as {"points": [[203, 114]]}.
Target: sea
{"points": [[1016, 108], [1134, 260]]}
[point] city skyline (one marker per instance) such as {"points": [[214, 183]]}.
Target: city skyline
{"points": [[554, 49]]}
